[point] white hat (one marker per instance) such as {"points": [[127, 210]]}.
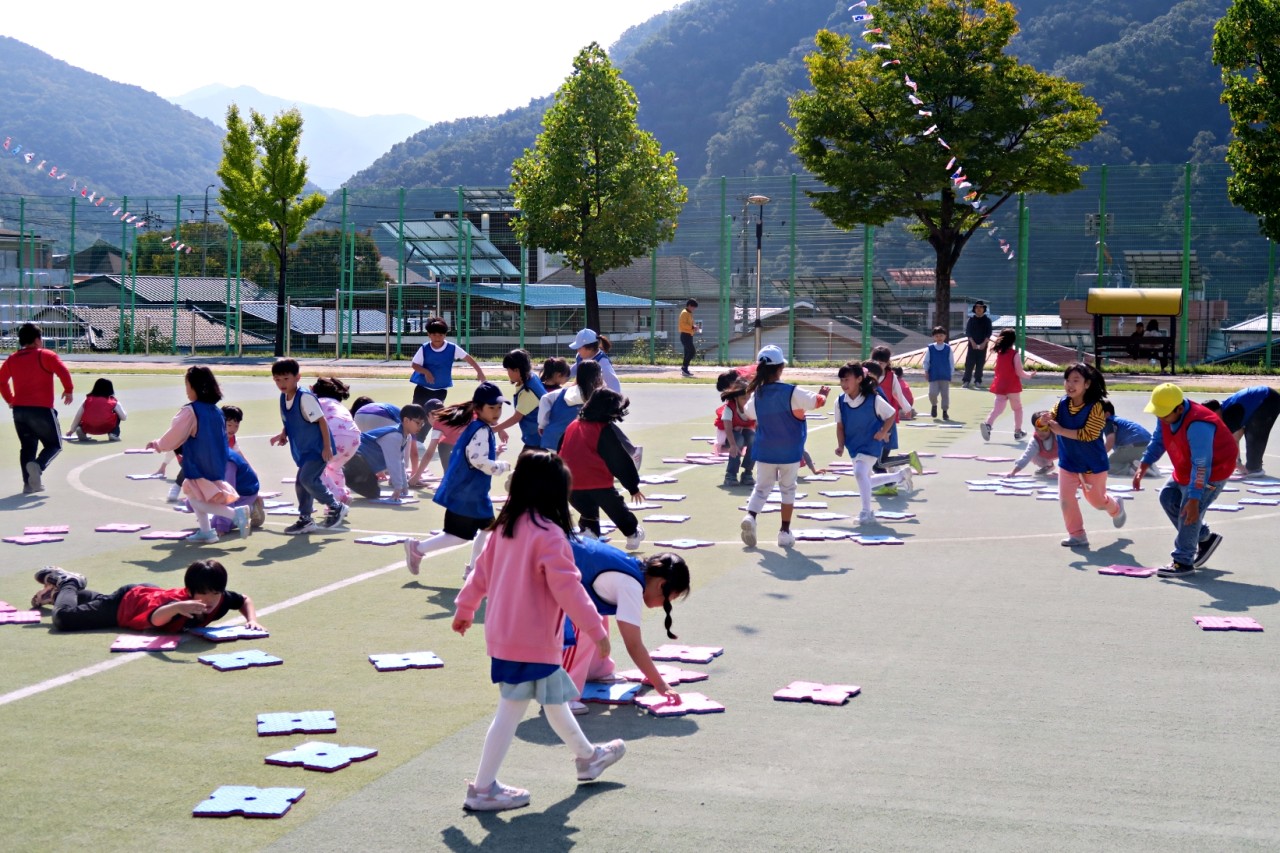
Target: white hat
{"points": [[771, 355], [585, 338]]}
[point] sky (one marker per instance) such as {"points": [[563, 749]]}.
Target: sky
{"points": [[435, 59]]}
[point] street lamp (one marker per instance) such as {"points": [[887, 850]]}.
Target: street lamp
{"points": [[759, 201], [204, 252]]}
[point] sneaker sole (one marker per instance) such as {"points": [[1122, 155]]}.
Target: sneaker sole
{"points": [[35, 477], [1202, 559], [749, 534]]}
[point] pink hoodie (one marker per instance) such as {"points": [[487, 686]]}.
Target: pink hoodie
{"points": [[531, 583]]}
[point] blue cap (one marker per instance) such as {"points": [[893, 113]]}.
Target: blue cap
{"points": [[488, 394]]}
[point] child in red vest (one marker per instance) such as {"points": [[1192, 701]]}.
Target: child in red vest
{"points": [[595, 451], [99, 414]]}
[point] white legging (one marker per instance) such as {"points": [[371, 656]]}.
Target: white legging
{"points": [[448, 540], [204, 509], [862, 465], [1015, 403], [503, 730]]}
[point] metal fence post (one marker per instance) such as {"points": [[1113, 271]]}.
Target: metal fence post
{"points": [[653, 303], [868, 291], [726, 308], [1271, 294], [1024, 238], [791, 312], [177, 235], [1186, 267]]}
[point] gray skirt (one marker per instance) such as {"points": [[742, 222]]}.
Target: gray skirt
{"points": [[556, 689]]}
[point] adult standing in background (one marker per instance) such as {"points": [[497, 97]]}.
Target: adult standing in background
{"points": [[1250, 413], [687, 328], [30, 370], [978, 330]]}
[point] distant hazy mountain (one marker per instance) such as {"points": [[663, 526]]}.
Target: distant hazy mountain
{"points": [[336, 144]]}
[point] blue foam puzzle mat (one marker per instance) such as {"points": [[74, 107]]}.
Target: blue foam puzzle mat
{"points": [[410, 660], [245, 800], [324, 757], [228, 633], [297, 722], [240, 660], [610, 694]]}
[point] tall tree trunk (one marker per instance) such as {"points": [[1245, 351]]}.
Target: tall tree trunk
{"points": [[281, 319], [942, 294], [593, 298]]}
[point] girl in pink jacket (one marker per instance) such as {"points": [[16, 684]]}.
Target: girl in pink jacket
{"points": [[526, 570]]}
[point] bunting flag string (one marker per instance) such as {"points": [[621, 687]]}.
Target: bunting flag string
{"points": [[91, 196], [954, 168]]}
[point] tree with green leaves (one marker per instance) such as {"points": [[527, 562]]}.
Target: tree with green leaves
{"points": [[1246, 43], [262, 182], [595, 186], [1009, 127], [316, 262]]}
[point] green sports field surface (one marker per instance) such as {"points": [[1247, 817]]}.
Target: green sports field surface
{"points": [[1013, 698]]}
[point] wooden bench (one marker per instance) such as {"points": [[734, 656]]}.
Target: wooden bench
{"points": [[1149, 302], [1159, 347]]}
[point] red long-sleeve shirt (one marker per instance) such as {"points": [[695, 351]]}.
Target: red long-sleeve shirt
{"points": [[31, 371]]}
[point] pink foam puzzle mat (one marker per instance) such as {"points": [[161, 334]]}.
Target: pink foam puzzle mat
{"points": [[673, 675], [382, 539], [135, 450], [657, 479], [693, 459], [984, 488], [1230, 489], [690, 703], [775, 497], [841, 493], [878, 540], [1127, 571], [924, 454], [34, 539], [47, 529], [667, 519], [821, 478], [894, 516], [643, 505], [702, 438], [684, 544], [1228, 623], [993, 458], [818, 694], [288, 509], [121, 527], [1046, 497], [6, 607], [247, 801], [20, 617], [1004, 491], [240, 660], [183, 508], [815, 416], [810, 504], [288, 479], [959, 456], [266, 495], [686, 654], [272, 503], [666, 498], [166, 534], [764, 509], [1260, 501], [321, 756], [1266, 490], [927, 472], [400, 661], [823, 516], [1224, 507], [820, 534], [145, 643], [622, 693], [145, 476], [671, 460], [229, 633], [297, 723], [390, 501]]}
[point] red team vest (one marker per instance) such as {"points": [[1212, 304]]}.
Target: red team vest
{"points": [[582, 458], [99, 416], [1225, 448]]}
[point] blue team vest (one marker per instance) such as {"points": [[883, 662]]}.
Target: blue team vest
{"points": [[860, 424], [593, 558], [439, 363], [204, 455], [529, 423], [305, 439], [941, 363], [382, 410], [371, 450], [246, 479], [1079, 457], [465, 488], [558, 420], [780, 434]]}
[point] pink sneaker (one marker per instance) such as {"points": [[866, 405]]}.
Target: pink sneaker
{"points": [[498, 798], [411, 557], [606, 754]]}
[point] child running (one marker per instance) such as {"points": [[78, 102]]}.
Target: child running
{"points": [[99, 414], [558, 409], [596, 451], [779, 411], [1007, 384], [306, 431], [464, 491], [863, 421], [1078, 421], [1042, 447], [330, 392], [199, 430], [527, 573], [739, 430], [623, 586], [528, 393]]}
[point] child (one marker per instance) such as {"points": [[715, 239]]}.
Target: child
{"points": [[621, 585], [527, 573], [863, 421], [1126, 442], [202, 599], [555, 373], [342, 428], [441, 438], [306, 431], [739, 430], [595, 451], [560, 408], [594, 347], [200, 430], [1042, 448], [1078, 421], [939, 367], [382, 451], [877, 370], [526, 398], [464, 491], [889, 387], [99, 414], [906, 394], [1007, 384], [779, 411], [241, 475], [432, 375]]}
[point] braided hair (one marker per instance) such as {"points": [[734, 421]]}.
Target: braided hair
{"points": [[674, 572]]}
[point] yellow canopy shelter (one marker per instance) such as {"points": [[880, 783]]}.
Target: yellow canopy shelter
{"points": [[1135, 302]]}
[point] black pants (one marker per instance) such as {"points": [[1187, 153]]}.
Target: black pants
{"points": [[77, 609], [36, 426], [974, 361], [422, 395], [1258, 429], [361, 478], [686, 341], [589, 503]]}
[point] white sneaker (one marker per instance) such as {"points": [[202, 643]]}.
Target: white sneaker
{"points": [[1075, 542], [1119, 518], [904, 478], [634, 540], [985, 428], [175, 494], [749, 530], [606, 755], [786, 539], [579, 709], [867, 516], [203, 536]]}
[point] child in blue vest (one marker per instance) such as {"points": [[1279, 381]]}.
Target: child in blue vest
{"points": [[432, 375], [558, 409], [778, 409], [464, 491], [381, 451], [622, 586], [528, 393], [594, 347], [1250, 413], [863, 421], [1078, 421], [1126, 442], [307, 433]]}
